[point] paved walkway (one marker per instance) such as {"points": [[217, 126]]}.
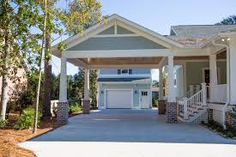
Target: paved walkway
{"points": [[130, 133]]}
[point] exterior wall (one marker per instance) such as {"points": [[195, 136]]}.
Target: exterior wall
{"points": [[120, 30], [216, 114], [110, 30], [135, 88], [194, 72], [116, 43], [109, 71]]}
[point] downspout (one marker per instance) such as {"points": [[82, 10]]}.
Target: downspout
{"points": [[228, 79]]}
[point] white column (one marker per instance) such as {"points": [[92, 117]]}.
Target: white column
{"points": [[213, 70], [160, 84], [204, 94], [171, 89], [63, 80], [86, 84], [231, 70]]}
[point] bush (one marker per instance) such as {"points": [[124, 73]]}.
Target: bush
{"points": [[3, 123], [26, 120], [154, 102], [75, 108]]}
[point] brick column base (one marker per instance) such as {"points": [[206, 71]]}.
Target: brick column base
{"points": [[230, 120], [62, 112], [171, 112], [86, 106], [162, 106], [210, 115]]}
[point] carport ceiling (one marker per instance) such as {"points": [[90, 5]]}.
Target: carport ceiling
{"points": [[116, 62]]}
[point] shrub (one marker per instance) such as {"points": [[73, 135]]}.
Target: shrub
{"points": [[3, 123], [154, 102], [75, 108], [26, 120]]}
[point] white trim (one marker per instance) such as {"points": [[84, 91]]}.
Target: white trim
{"points": [[118, 53], [128, 89], [115, 35], [98, 28], [208, 68], [152, 66], [144, 81], [145, 31], [115, 28], [105, 97], [149, 95], [122, 76]]}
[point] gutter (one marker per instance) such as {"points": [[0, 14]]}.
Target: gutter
{"points": [[228, 80]]}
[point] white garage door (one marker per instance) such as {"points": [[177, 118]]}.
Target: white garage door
{"points": [[119, 98]]}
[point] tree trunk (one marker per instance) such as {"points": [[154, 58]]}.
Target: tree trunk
{"points": [[4, 95], [47, 78], [4, 98]]}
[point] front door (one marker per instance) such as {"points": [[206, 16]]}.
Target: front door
{"points": [[206, 79], [144, 99]]}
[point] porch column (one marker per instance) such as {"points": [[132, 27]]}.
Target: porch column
{"points": [[86, 101], [62, 105], [231, 70], [161, 101], [160, 84], [213, 70], [171, 90], [63, 80], [213, 74], [171, 101]]}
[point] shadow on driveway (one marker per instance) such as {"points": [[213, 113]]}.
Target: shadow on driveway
{"points": [[121, 125]]}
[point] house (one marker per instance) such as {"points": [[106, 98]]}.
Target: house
{"points": [[195, 61], [125, 88]]}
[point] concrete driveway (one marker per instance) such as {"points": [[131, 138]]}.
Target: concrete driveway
{"points": [[130, 133]]}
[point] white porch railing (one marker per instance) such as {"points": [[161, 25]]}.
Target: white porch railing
{"points": [[189, 109], [218, 93]]}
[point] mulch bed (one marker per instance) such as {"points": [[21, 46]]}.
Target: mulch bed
{"points": [[9, 139]]}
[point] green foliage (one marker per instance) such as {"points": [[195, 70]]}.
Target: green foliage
{"points": [[26, 120], [233, 112], [216, 127], [3, 123], [80, 15], [231, 20], [75, 108], [154, 102]]}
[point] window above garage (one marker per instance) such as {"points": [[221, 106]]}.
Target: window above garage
{"points": [[124, 71]]}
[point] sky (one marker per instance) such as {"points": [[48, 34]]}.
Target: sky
{"points": [[160, 15]]}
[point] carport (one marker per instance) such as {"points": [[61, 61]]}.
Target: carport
{"points": [[120, 43]]}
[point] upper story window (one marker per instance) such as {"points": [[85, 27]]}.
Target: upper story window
{"points": [[124, 71]]}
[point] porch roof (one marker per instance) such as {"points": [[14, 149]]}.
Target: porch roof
{"points": [[118, 41]]}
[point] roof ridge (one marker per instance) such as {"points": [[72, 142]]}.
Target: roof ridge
{"points": [[205, 25]]}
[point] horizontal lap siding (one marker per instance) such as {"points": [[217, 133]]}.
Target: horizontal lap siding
{"points": [[116, 43]]}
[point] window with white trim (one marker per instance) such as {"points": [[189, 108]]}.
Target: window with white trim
{"points": [[124, 71]]}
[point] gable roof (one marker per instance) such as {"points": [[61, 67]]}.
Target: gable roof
{"points": [[200, 31], [111, 20], [197, 36]]}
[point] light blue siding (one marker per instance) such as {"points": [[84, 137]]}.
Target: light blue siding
{"points": [[121, 30], [117, 43], [110, 30], [134, 71]]}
